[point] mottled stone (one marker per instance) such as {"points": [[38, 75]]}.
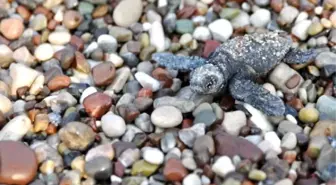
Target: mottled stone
{"points": [[76, 135]]}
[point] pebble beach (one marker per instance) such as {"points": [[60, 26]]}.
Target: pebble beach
{"points": [[82, 102]]}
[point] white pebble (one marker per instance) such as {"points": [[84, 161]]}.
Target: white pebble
{"points": [[107, 42], [192, 179], [302, 16], [258, 118], [113, 125], [115, 59], [300, 30], [233, 122], [59, 37], [44, 52], [202, 33], [221, 29], [185, 39], [270, 87], [147, 81], [223, 166], [288, 14], [166, 117], [243, 19], [157, 37], [6, 105], [207, 1], [291, 119], [260, 18], [273, 138], [37, 85], [16, 72], [289, 141], [153, 155], [16, 128]]}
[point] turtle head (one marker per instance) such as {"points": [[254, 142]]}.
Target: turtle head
{"points": [[207, 79]]}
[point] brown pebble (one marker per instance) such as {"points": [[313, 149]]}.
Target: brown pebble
{"points": [[18, 163], [277, 5], [42, 10], [23, 12], [21, 92], [174, 170], [103, 73], [52, 24], [37, 39], [3, 120], [72, 19], [186, 12], [4, 41], [11, 28], [100, 11], [293, 81], [144, 92], [77, 43], [296, 103], [51, 129], [59, 82], [163, 76], [66, 57], [97, 104]]}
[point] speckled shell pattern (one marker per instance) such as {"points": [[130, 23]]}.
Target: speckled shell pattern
{"points": [[259, 52]]}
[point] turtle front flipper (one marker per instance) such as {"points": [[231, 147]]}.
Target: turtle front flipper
{"points": [[183, 63], [297, 56], [244, 89]]}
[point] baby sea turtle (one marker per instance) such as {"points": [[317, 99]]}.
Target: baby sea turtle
{"points": [[236, 63]]}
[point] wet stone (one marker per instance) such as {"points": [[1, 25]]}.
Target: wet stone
{"points": [[99, 168]]}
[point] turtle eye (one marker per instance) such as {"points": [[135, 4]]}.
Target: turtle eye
{"points": [[210, 83]]}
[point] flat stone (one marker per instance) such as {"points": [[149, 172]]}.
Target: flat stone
{"points": [[287, 126], [166, 117], [59, 82], [18, 163], [153, 156], [231, 145], [103, 74], [183, 105], [76, 135]]}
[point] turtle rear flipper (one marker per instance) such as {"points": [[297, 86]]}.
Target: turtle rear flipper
{"points": [[244, 89], [183, 63], [297, 56]]}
